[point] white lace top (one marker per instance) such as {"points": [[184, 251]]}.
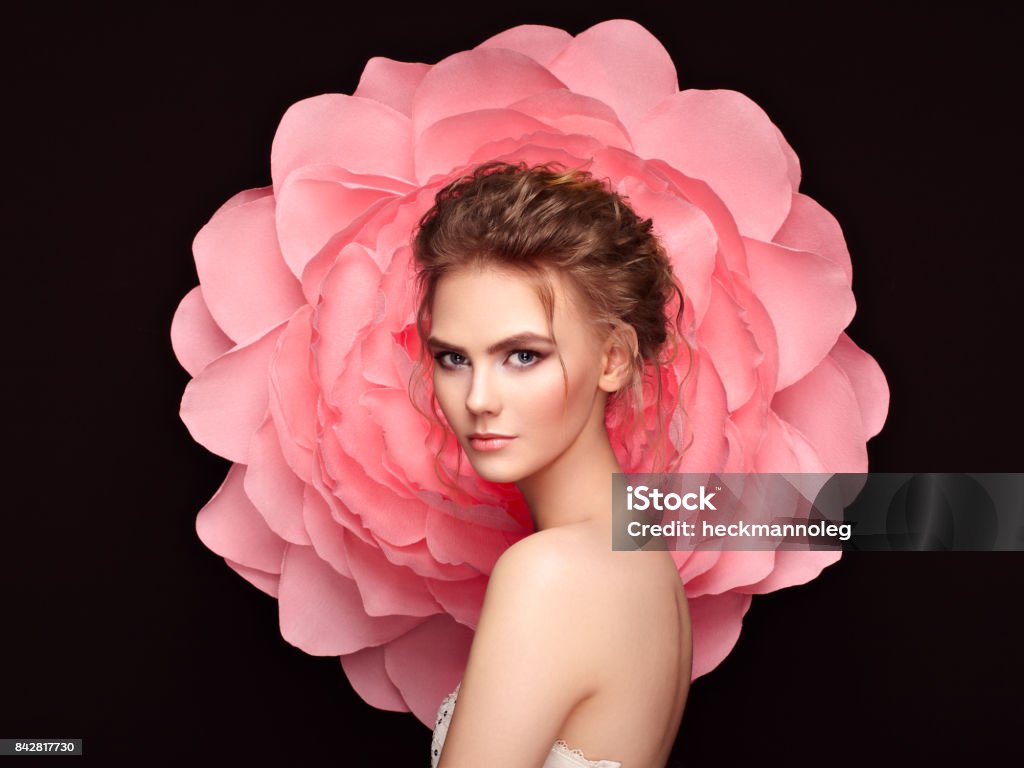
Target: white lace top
{"points": [[560, 756]]}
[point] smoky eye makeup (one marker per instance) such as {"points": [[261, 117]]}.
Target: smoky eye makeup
{"points": [[449, 359], [519, 359], [525, 358]]}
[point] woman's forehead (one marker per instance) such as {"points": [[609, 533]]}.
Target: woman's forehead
{"points": [[495, 301]]}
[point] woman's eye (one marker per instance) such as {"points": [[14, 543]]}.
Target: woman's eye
{"points": [[450, 359], [523, 358]]}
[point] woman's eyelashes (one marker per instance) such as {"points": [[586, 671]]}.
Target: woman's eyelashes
{"points": [[524, 358], [520, 358], [450, 360]]}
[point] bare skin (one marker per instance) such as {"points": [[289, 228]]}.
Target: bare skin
{"points": [[575, 641]]}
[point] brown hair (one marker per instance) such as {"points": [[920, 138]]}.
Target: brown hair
{"points": [[534, 219]]}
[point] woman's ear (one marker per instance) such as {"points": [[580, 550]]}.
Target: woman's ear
{"points": [[620, 350]]}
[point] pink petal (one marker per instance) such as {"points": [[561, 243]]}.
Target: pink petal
{"points": [[478, 80], [785, 449], [265, 582], [316, 202], [426, 664], [322, 613], [759, 323], [540, 43], [350, 299], [794, 567], [572, 150], [454, 540], [619, 167], [273, 487], [730, 345], [571, 112], [736, 460], [355, 234], [360, 433], [687, 235], [461, 599], [405, 433], [730, 244], [243, 197], [808, 299], [391, 518], [451, 142], [392, 244], [620, 63], [745, 432], [336, 515], [692, 563], [418, 557], [809, 227], [369, 678], [388, 366], [750, 422], [733, 569], [706, 415], [326, 533], [716, 621], [726, 140], [361, 135], [294, 395], [232, 527], [196, 338], [792, 161], [391, 82], [246, 284], [386, 588], [824, 408], [868, 381], [226, 403]]}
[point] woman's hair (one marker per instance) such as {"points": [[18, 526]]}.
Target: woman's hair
{"points": [[543, 219]]}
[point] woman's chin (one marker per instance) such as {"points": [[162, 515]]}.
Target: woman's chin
{"points": [[495, 475], [493, 470]]}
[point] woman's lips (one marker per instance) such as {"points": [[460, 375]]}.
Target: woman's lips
{"points": [[489, 442]]}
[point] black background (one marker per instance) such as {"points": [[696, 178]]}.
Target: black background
{"points": [[125, 128]]}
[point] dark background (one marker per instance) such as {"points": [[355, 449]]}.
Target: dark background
{"points": [[125, 128]]}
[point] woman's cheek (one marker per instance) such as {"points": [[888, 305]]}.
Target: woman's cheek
{"points": [[541, 395], [547, 398], [446, 392]]}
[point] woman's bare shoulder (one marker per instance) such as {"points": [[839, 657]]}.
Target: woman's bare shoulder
{"points": [[520, 658], [565, 555], [541, 566], [573, 569]]}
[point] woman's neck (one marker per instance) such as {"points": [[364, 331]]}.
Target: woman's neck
{"points": [[577, 487]]}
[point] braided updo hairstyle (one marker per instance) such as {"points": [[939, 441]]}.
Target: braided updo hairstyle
{"points": [[543, 219]]}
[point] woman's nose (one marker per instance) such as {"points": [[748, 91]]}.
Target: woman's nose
{"points": [[483, 396]]}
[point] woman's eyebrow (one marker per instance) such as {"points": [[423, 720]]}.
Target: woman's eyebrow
{"points": [[512, 342]]}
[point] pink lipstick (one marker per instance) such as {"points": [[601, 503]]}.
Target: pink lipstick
{"points": [[487, 441]]}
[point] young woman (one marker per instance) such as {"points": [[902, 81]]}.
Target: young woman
{"points": [[545, 299]]}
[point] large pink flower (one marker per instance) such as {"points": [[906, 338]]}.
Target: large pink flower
{"points": [[301, 339]]}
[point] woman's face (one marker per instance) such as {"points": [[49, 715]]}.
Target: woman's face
{"points": [[497, 375]]}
